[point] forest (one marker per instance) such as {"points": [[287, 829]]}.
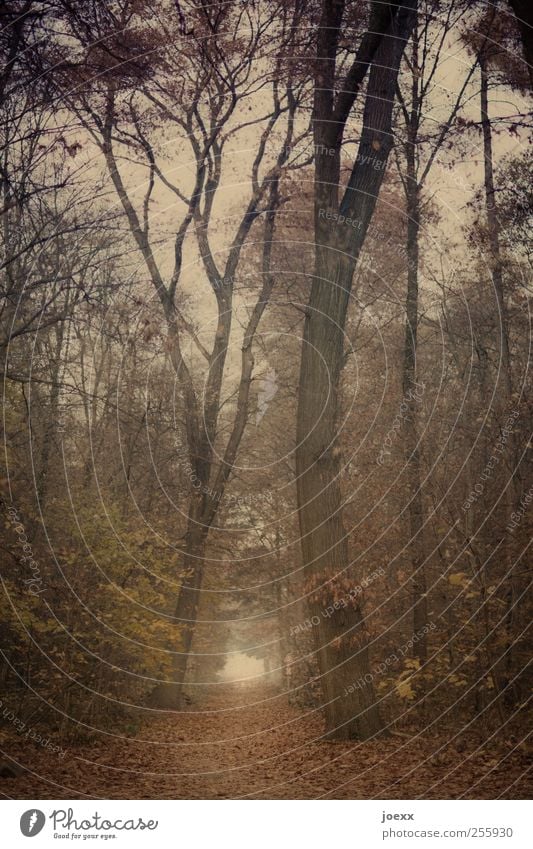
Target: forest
{"points": [[267, 445]]}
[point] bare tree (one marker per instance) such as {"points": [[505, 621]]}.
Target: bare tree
{"points": [[217, 64]]}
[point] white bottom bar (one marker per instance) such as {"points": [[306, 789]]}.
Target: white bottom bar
{"points": [[267, 824]]}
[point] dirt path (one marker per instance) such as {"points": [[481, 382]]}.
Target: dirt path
{"points": [[263, 748]]}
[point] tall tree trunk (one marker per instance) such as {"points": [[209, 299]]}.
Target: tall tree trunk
{"points": [[494, 235], [205, 502], [415, 545], [504, 376], [170, 695], [202, 417], [51, 427], [341, 639], [187, 603]]}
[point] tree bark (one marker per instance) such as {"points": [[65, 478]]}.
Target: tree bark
{"points": [[504, 375], [415, 545], [341, 639]]}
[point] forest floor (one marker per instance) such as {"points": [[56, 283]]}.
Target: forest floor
{"points": [[262, 748]]}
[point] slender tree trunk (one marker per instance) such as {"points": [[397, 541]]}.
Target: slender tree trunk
{"points": [[504, 377], [494, 234], [204, 503], [201, 418], [411, 399], [283, 593], [51, 425]]}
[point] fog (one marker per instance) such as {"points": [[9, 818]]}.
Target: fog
{"points": [[240, 666]]}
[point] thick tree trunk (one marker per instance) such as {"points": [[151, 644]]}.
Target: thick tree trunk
{"points": [[170, 695], [186, 612], [341, 640]]}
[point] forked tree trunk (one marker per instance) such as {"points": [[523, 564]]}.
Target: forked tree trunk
{"points": [[341, 639]]}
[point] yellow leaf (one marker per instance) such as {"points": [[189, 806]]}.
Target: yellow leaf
{"points": [[457, 579], [405, 691]]}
